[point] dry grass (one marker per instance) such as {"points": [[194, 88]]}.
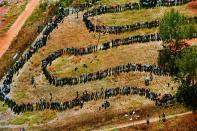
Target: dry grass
{"points": [[184, 123], [104, 59], [64, 37], [89, 120], [73, 33], [30, 118], [3, 107], [25, 37], [14, 11], [131, 17]]}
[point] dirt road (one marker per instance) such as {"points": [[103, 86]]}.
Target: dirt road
{"points": [[6, 39], [156, 119]]}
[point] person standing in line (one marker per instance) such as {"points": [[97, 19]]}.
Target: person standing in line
{"points": [[147, 119]]}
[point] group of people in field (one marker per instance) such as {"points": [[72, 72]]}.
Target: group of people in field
{"points": [[157, 70], [112, 44], [125, 28], [104, 73], [154, 3], [86, 96], [124, 7], [79, 100], [18, 64], [6, 87]]}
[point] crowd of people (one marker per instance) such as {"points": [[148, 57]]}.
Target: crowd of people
{"points": [[154, 3], [52, 24], [104, 46], [104, 73], [42, 104], [119, 8], [113, 43], [124, 28], [5, 89], [157, 70], [7, 80], [86, 96]]}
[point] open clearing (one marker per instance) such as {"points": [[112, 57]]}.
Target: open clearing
{"points": [[73, 33]]}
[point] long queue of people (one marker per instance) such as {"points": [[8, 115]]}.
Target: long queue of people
{"points": [[86, 96], [125, 28], [5, 89], [41, 104], [106, 45], [7, 80], [157, 70], [154, 3], [115, 9]]}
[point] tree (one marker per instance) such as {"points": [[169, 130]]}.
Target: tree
{"points": [[186, 63], [167, 59], [175, 27], [188, 95]]}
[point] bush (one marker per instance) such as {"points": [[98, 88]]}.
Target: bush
{"points": [[188, 95], [186, 63], [175, 27], [167, 59]]}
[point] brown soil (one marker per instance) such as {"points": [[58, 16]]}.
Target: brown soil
{"points": [[193, 7], [6, 40], [192, 41], [184, 123]]}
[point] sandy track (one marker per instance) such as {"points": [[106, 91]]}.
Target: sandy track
{"points": [[6, 39], [115, 127], [156, 119]]}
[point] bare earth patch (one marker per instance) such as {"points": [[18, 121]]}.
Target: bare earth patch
{"points": [[193, 7]]}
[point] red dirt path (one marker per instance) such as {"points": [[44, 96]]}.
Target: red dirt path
{"points": [[6, 39], [193, 7], [192, 41]]}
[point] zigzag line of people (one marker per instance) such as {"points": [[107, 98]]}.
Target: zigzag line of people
{"points": [[43, 104], [50, 26], [86, 96], [157, 70], [120, 8]]}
